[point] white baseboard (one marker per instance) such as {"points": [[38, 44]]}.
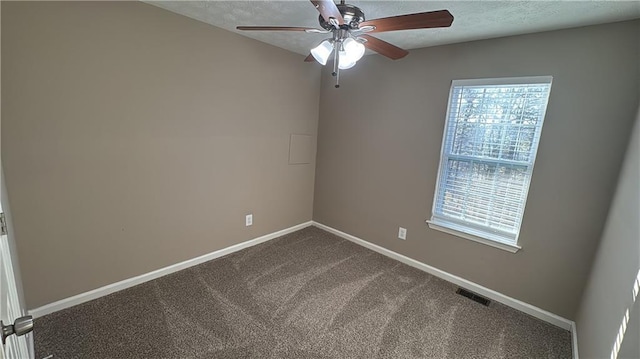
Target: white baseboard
{"points": [[489, 293], [127, 283], [474, 287]]}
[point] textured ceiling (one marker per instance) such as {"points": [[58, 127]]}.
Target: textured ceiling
{"points": [[474, 20]]}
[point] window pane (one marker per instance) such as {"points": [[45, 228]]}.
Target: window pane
{"points": [[487, 194], [496, 122]]}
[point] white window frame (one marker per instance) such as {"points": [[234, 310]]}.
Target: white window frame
{"points": [[467, 230]]}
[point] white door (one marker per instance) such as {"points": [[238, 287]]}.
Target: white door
{"points": [[11, 300], [11, 306]]}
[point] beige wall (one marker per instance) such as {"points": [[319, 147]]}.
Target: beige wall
{"points": [[134, 138], [379, 145], [608, 293]]}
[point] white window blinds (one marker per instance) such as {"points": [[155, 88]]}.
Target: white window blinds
{"points": [[491, 137]]}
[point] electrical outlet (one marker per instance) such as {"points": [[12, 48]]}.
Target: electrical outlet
{"points": [[402, 233], [248, 220]]}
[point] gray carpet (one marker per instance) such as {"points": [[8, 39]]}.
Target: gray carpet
{"points": [[308, 294]]}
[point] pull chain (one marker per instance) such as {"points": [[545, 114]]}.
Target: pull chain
{"points": [[336, 62]]}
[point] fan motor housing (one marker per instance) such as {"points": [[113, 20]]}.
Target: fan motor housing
{"points": [[352, 16]]}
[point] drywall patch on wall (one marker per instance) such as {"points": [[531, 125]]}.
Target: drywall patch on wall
{"points": [[300, 149]]}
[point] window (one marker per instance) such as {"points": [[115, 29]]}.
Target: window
{"points": [[490, 142]]}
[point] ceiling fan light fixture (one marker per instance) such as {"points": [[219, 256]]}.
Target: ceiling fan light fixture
{"points": [[346, 61], [353, 48], [322, 52], [348, 27]]}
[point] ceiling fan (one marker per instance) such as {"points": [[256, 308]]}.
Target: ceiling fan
{"points": [[348, 28]]}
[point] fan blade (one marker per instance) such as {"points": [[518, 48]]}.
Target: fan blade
{"points": [[328, 10], [384, 48], [273, 28], [309, 58], [423, 20]]}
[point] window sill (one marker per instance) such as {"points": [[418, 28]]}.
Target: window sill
{"points": [[504, 246]]}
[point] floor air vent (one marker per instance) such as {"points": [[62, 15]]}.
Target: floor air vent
{"points": [[476, 298]]}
